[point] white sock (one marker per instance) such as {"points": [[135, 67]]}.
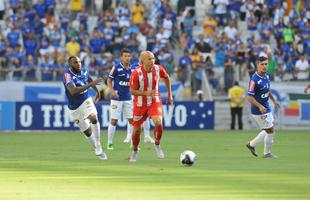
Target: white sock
{"points": [[146, 128], [268, 143], [111, 133], [92, 140], [259, 138], [129, 131], [95, 128]]}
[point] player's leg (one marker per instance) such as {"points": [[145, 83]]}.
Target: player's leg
{"points": [[158, 131], [129, 131], [146, 131], [139, 116], [155, 112], [80, 116], [260, 136], [268, 141], [135, 142], [269, 137], [128, 115], [116, 111]]}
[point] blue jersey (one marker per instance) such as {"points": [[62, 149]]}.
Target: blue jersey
{"points": [[121, 75], [259, 88], [78, 80]]}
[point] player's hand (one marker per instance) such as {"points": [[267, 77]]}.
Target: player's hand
{"points": [[306, 89], [115, 94], [97, 98], [262, 109], [277, 104], [96, 82], [170, 100], [152, 93]]}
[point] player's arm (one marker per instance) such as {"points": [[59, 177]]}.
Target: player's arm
{"points": [[168, 86], [275, 102], [134, 86], [73, 90], [163, 74], [97, 98], [307, 88], [252, 100], [112, 74]]}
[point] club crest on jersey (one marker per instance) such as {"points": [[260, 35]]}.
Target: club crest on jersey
{"points": [[259, 81]]}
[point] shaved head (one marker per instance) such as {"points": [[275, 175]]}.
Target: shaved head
{"points": [[147, 58]]}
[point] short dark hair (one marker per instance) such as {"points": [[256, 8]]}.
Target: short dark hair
{"points": [[262, 57], [70, 58], [125, 50]]}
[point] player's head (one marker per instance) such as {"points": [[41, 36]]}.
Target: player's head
{"points": [[147, 58], [125, 56], [75, 64], [262, 63]]}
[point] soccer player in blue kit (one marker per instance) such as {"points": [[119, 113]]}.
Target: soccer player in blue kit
{"points": [[121, 103], [83, 111], [258, 95]]}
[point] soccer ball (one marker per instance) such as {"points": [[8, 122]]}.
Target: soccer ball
{"points": [[187, 158]]}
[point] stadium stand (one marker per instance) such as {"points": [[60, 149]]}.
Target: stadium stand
{"points": [[220, 37]]}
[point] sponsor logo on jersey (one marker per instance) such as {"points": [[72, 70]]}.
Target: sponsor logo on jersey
{"points": [[114, 106], [123, 83], [265, 95]]}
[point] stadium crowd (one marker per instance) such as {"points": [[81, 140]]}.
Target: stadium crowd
{"points": [[36, 37]]}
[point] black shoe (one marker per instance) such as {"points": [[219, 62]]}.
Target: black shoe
{"points": [[252, 149]]}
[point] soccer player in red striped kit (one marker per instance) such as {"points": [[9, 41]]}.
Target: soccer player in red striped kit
{"points": [[144, 83]]}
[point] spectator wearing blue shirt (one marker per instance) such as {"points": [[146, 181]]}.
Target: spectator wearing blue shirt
{"points": [[40, 8], [96, 43], [185, 64], [31, 46], [30, 68], [14, 36]]}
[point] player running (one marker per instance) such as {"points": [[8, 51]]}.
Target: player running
{"points": [[83, 111], [258, 94], [144, 83]]}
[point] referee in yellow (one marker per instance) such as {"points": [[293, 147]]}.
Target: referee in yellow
{"points": [[236, 95]]}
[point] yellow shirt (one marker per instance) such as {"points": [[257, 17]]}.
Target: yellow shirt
{"points": [[209, 26], [76, 5], [73, 48], [137, 14], [236, 94]]}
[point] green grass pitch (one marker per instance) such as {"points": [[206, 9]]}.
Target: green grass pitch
{"points": [[61, 166]]}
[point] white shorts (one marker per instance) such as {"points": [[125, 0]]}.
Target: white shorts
{"points": [[264, 121], [80, 115], [119, 107]]}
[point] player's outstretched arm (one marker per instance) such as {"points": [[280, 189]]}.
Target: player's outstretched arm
{"points": [[97, 98], [73, 90], [275, 102], [253, 101]]}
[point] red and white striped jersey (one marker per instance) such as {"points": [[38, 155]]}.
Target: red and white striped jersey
{"points": [[141, 80]]}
